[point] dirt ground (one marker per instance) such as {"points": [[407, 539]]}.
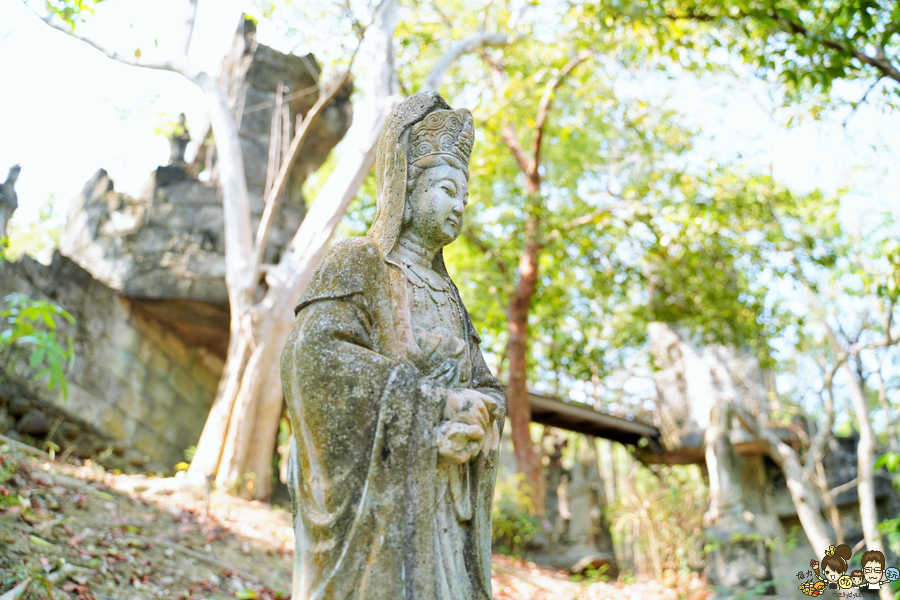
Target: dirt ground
{"points": [[79, 532]]}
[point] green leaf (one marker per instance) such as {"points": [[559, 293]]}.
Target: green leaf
{"points": [[891, 461], [37, 356], [246, 594], [40, 541]]}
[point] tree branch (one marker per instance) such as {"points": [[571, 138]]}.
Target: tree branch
{"points": [[879, 62], [592, 217], [236, 203], [433, 80], [488, 251], [544, 106], [508, 130], [301, 257], [508, 133], [189, 26], [178, 65]]}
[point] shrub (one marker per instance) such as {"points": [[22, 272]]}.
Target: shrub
{"points": [[515, 523]]}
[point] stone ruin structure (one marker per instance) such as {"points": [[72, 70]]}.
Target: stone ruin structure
{"points": [[749, 501], [144, 279]]}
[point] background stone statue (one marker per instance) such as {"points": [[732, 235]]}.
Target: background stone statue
{"points": [[396, 416], [8, 199]]}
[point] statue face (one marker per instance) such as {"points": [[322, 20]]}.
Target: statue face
{"points": [[437, 206]]}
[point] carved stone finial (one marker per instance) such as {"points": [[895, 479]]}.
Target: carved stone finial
{"points": [[179, 140], [8, 199]]}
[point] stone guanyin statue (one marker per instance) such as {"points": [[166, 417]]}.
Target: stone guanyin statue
{"points": [[396, 417]]}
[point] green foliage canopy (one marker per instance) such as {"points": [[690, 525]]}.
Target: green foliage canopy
{"points": [[809, 45]]}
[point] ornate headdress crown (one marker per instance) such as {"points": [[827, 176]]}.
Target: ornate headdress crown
{"points": [[443, 132]]}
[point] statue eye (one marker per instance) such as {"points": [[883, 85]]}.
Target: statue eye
{"points": [[449, 189]]}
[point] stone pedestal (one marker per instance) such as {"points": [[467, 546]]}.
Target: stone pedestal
{"points": [[739, 563]]}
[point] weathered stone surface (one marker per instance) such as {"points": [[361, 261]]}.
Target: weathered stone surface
{"points": [[692, 377], [135, 458], [34, 424], [18, 407], [121, 383], [250, 77], [394, 410], [740, 561], [69, 432]]}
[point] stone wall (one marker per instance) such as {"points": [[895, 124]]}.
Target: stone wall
{"points": [[133, 380]]}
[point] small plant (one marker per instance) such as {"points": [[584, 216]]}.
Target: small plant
{"points": [[514, 523], [32, 325], [591, 575], [189, 453]]}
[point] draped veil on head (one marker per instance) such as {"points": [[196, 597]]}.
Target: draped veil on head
{"points": [[391, 170]]}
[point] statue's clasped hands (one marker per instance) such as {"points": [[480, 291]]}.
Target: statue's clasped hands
{"points": [[469, 419], [469, 425]]}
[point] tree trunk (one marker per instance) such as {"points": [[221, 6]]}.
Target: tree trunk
{"points": [[239, 436], [608, 464], [865, 455], [805, 499], [270, 401], [893, 440], [518, 409]]}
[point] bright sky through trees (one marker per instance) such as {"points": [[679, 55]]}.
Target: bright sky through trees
{"points": [[67, 111]]}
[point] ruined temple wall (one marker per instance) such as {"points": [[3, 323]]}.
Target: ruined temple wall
{"points": [[132, 380]]}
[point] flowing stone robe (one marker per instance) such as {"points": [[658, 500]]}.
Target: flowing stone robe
{"points": [[364, 464]]}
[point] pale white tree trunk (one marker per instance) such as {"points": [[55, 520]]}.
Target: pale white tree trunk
{"points": [[865, 451], [865, 471], [239, 438], [804, 496]]}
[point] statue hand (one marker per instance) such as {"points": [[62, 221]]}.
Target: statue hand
{"points": [[491, 439], [469, 407], [458, 442]]}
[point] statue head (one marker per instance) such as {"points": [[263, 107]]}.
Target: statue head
{"points": [[422, 173]]}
